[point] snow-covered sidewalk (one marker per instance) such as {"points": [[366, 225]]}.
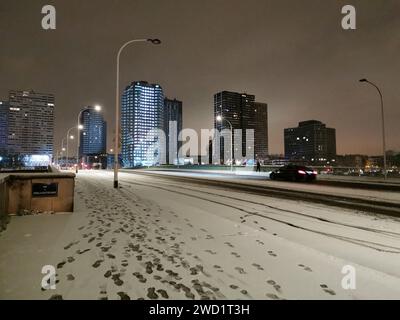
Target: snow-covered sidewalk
{"points": [[157, 240]]}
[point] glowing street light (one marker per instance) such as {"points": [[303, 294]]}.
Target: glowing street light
{"points": [[219, 118]]}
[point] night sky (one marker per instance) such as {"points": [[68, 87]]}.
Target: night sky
{"points": [[293, 55]]}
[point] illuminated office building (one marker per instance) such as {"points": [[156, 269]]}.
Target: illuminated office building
{"points": [[141, 115], [29, 118]]}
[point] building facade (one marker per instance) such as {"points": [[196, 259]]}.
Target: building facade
{"points": [[261, 131], [141, 115], [172, 119], [241, 110], [30, 126], [93, 136], [4, 109], [311, 141]]}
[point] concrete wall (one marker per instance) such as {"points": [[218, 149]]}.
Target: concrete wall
{"points": [[3, 205], [16, 193]]}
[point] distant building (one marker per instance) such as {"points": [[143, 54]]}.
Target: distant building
{"points": [[241, 110], [4, 110], [261, 131], [29, 127], [351, 161], [141, 114], [311, 141], [93, 136], [172, 112]]}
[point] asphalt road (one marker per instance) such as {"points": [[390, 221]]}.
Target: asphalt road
{"points": [[302, 191]]}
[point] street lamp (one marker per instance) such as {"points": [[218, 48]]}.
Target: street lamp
{"points": [[69, 137], [383, 125], [117, 112], [220, 119], [81, 127], [62, 148]]}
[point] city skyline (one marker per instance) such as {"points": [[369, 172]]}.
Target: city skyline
{"points": [[304, 70], [200, 157]]}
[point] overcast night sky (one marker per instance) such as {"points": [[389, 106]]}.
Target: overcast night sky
{"points": [[293, 55]]}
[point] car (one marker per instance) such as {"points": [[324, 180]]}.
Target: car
{"points": [[294, 173]]}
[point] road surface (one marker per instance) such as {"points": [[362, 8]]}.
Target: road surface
{"points": [[161, 239]]}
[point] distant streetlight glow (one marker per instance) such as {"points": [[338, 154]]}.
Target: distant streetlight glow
{"points": [[97, 108], [219, 118]]}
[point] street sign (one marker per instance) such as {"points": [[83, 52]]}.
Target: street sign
{"points": [[44, 190]]}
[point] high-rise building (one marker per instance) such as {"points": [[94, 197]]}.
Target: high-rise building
{"points": [[141, 115], [93, 136], [261, 131], [172, 113], [4, 109], [241, 110], [30, 119], [311, 141]]}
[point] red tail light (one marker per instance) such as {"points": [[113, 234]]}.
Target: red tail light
{"points": [[301, 172], [315, 172]]}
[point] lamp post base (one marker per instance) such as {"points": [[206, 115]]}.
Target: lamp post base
{"points": [[116, 184]]}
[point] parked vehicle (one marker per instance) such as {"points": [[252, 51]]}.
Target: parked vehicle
{"points": [[294, 173]]}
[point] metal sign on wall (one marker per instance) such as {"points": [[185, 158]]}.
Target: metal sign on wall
{"points": [[44, 190]]}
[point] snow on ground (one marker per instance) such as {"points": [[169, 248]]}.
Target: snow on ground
{"points": [[158, 239]]}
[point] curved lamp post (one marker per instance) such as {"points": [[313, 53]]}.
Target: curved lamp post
{"points": [[117, 112], [220, 119], [383, 125]]}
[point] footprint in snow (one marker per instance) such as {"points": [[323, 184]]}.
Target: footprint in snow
{"points": [[240, 270], [257, 266], [305, 267], [272, 254], [97, 264], [275, 285], [327, 290]]}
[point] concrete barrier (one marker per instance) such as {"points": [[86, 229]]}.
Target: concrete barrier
{"points": [[3, 204], [27, 192]]}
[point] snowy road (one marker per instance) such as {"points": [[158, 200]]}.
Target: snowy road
{"points": [[157, 239]]}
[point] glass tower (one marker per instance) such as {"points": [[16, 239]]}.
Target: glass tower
{"points": [[4, 109], [94, 134], [243, 112], [172, 113], [141, 114]]}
